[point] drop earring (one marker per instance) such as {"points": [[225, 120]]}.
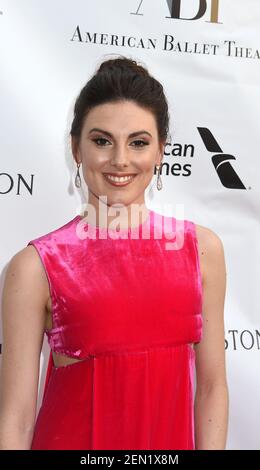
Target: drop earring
{"points": [[77, 177], [159, 179]]}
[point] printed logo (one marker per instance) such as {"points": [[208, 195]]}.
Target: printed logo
{"points": [[245, 339], [8, 183], [221, 161], [203, 6]]}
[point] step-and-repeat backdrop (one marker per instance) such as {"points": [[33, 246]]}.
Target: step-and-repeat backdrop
{"points": [[207, 56]]}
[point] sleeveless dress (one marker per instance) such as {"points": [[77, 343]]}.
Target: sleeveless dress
{"points": [[128, 305]]}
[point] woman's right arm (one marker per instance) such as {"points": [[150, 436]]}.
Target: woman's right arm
{"points": [[24, 299]]}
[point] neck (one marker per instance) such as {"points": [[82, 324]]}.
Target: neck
{"points": [[130, 216]]}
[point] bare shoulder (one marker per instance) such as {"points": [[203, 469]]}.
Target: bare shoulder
{"points": [[208, 239], [27, 260], [211, 249], [26, 266], [27, 254]]}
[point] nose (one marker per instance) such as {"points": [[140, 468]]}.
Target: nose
{"points": [[119, 157]]}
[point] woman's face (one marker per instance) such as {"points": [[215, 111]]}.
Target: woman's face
{"points": [[112, 149]]}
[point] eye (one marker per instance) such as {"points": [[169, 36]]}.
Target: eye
{"points": [[140, 141], [100, 139]]}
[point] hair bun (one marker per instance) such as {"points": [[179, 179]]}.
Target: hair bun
{"points": [[123, 63]]}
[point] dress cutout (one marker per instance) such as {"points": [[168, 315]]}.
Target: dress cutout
{"points": [[129, 309]]}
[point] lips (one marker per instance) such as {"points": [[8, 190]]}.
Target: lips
{"points": [[120, 174], [117, 182]]}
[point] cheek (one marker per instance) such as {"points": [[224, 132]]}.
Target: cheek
{"points": [[147, 169], [146, 162], [97, 162], [92, 163]]}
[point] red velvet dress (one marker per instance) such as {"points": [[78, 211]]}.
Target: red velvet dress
{"points": [[128, 305]]}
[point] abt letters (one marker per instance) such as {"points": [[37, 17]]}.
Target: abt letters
{"points": [[203, 5]]}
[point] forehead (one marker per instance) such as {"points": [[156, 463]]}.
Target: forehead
{"points": [[120, 115]]}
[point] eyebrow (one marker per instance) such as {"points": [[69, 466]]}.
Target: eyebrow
{"points": [[133, 134]]}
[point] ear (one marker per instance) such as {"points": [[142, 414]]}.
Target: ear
{"points": [[160, 153], [75, 149]]}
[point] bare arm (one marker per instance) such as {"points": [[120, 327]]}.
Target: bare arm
{"points": [[24, 298], [211, 400]]}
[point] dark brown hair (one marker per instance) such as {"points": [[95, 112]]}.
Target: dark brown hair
{"points": [[122, 79]]}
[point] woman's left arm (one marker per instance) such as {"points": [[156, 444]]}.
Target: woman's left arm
{"points": [[212, 397]]}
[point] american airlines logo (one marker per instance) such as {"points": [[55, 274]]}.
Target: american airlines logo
{"points": [[201, 8], [221, 161]]}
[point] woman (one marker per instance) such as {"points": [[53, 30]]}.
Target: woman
{"points": [[127, 319]]}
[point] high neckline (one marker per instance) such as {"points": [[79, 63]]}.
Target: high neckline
{"points": [[119, 230]]}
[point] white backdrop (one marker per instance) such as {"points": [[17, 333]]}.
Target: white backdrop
{"points": [[207, 59]]}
